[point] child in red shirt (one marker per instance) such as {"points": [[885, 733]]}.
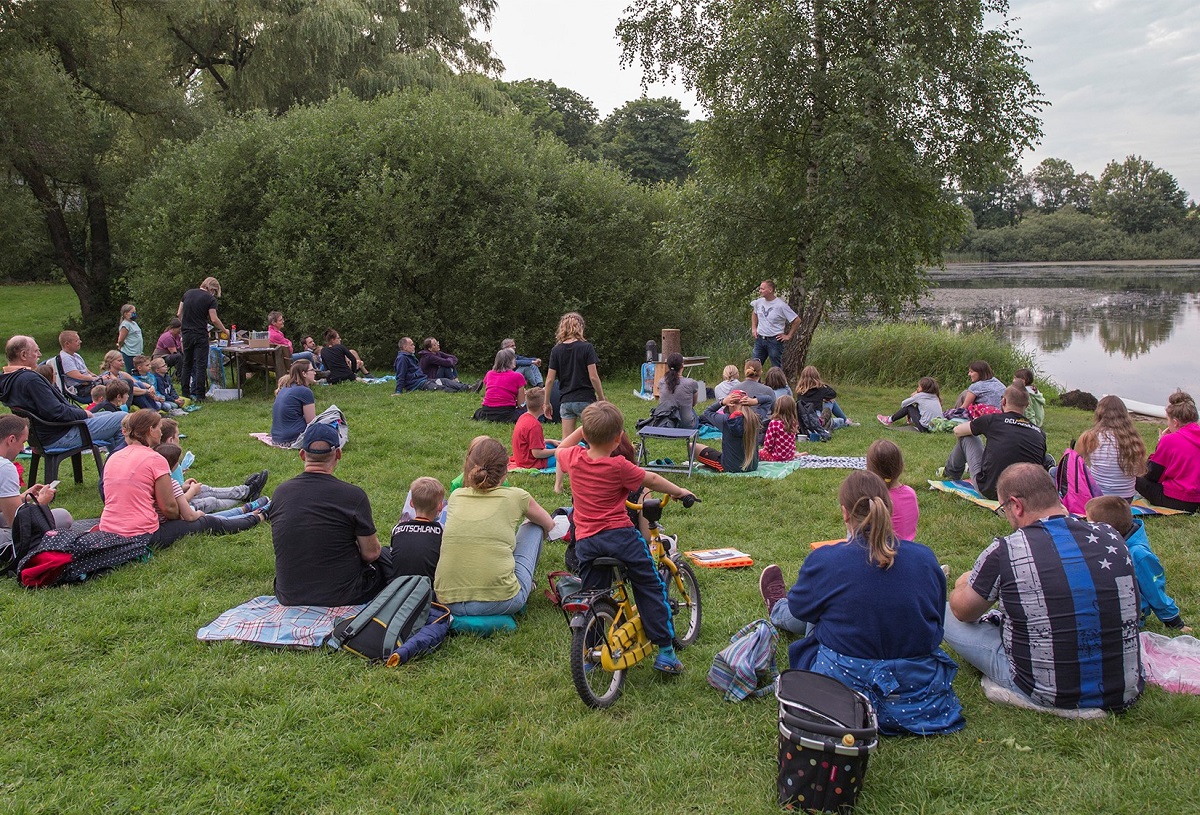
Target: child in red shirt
{"points": [[600, 484], [530, 447]]}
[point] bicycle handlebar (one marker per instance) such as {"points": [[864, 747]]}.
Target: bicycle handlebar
{"points": [[687, 501]]}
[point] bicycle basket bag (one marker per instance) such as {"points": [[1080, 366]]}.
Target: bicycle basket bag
{"points": [[746, 667], [387, 622], [826, 734]]}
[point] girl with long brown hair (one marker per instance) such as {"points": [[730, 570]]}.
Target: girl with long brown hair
{"points": [[1113, 449]]}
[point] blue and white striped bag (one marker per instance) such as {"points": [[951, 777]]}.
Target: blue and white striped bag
{"points": [[746, 667]]}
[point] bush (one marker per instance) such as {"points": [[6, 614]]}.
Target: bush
{"points": [[898, 354], [410, 215]]}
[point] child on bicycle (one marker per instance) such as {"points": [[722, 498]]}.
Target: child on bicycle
{"points": [[600, 484]]}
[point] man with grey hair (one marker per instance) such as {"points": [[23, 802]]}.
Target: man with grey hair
{"points": [[23, 387], [1066, 637], [527, 367]]}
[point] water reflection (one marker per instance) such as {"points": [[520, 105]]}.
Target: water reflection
{"points": [[1130, 328]]}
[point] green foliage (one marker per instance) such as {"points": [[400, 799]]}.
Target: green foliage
{"points": [[1138, 197], [834, 128], [1065, 235], [898, 354], [415, 214], [1055, 184], [561, 112], [649, 139]]}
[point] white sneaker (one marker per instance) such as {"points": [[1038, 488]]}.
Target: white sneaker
{"points": [[1004, 696]]}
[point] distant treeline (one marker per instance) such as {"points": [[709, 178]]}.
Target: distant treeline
{"points": [[1134, 211]]}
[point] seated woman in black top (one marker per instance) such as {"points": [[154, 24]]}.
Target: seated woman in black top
{"points": [[342, 364]]}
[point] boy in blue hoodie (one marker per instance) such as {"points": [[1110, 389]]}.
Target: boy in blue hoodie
{"points": [[1152, 580]]}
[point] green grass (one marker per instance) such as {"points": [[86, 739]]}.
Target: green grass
{"points": [[111, 703]]}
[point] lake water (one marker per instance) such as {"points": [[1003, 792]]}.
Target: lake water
{"points": [[1130, 328]]}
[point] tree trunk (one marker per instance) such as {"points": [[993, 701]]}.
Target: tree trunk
{"points": [[90, 280]]}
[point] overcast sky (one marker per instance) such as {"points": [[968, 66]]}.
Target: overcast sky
{"points": [[1122, 76]]}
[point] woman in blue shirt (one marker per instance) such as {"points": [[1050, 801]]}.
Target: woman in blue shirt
{"points": [[295, 407], [875, 605]]}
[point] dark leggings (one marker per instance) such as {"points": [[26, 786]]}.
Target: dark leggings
{"points": [[912, 413], [171, 531], [194, 378], [1152, 491]]}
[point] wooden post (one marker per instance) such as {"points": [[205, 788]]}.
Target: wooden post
{"points": [[670, 345]]}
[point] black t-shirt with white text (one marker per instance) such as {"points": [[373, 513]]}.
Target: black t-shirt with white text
{"points": [[416, 547], [1011, 439]]}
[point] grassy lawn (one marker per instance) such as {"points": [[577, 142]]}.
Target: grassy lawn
{"points": [[112, 704]]}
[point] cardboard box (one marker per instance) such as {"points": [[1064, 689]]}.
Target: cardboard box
{"points": [[254, 343]]}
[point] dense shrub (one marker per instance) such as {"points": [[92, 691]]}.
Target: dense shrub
{"points": [[415, 214], [1068, 235], [901, 353]]}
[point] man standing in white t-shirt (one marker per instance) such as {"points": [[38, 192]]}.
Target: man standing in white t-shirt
{"points": [[772, 322]]}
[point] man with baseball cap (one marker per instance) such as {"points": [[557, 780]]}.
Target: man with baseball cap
{"points": [[326, 549]]}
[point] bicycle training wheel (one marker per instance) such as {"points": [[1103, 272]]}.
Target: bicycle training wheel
{"points": [[596, 687], [685, 608]]}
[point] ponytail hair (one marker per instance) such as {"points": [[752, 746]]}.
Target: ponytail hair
{"points": [[486, 465], [751, 424], [864, 497], [674, 367]]}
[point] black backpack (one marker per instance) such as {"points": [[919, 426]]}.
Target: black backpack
{"points": [[398, 612], [660, 417]]}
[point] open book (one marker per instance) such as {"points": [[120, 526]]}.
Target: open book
{"points": [[720, 558]]}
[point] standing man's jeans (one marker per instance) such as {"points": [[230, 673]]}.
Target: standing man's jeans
{"points": [[525, 558], [104, 427], [194, 378], [765, 347]]}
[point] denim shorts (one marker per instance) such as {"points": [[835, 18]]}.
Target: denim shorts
{"points": [[572, 410]]}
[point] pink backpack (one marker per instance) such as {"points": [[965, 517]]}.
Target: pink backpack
{"points": [[1074, 482]]}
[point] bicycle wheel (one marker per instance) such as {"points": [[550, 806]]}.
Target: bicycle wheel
{"points": [[684, 606], [596, 687]]}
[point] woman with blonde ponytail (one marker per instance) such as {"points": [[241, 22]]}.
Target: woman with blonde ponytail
{"points": [[873, 606], [491, 540]]}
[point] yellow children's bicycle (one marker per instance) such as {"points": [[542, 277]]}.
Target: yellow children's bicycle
{"points": [[607, 636]]}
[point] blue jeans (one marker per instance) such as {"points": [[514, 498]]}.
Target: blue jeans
{"points": [[533, 377], [781, 618], [104, 427], [980, 644], [303, 355], [525, 558], [769, 347]]}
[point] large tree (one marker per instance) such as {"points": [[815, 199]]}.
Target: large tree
{"points": [[836, 127], [558, 111], [649, 139], [1138, 197], [89, 88]]}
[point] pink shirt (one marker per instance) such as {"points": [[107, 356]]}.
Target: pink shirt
{"points": [[778, 444], [1179, 455], [168, 343], [905, 512], [275, 337], [501, 388], [129, 476], [599, 487]]}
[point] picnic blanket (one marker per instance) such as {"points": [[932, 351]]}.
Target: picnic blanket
{"points": [[551, 470], [264, 621], [266, 439], [966, 490], [782, 469]]}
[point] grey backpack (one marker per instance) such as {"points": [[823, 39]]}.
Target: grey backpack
{"points": [[387, 622]]}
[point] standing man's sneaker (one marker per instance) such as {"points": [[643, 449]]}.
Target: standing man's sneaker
{"points": [[772, 586]]}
